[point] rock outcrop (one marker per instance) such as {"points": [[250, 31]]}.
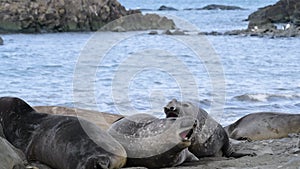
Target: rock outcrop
{"points": [[58, 15], [139, 21], [279, 20], [221, 7], [167, 8], [217, 7], [1, 41], [284, 11]]}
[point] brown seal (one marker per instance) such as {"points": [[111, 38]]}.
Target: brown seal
{"points": [[62, 142], [210, 138], [103, 120], [263, 126]]}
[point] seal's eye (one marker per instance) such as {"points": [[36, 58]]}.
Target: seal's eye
{"points": [[185, 105]]}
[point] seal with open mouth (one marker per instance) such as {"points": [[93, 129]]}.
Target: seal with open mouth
{"points": [[210, 138], [155, 143]]}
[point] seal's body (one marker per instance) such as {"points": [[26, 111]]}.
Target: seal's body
{"points": [[263, 126], [154, 143], [61, 142]]}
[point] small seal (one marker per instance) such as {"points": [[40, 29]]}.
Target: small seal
{"points": [[101, 119], [210, 138], [63, 142], [155, 143], [263, 126]]}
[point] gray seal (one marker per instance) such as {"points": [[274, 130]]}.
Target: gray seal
{"points": [[210, 139], [263, 126], [62, 142], [155, 143], [10, 157]]}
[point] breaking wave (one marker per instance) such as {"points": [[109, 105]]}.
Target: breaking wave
{"points": [[264, 97]]}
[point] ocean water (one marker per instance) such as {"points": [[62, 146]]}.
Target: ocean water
{"points": [[134, 72]]}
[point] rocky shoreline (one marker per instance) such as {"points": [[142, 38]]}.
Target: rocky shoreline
{"points": [[69, 16], [279, 20]]}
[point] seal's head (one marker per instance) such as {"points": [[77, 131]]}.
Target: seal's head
{"points": [[9, 105], [179, 109]]}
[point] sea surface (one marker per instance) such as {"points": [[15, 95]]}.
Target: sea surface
{"points": [[133, 72]]}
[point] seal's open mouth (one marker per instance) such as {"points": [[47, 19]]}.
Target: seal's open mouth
{"points": [[187, 134], [171, 112]]}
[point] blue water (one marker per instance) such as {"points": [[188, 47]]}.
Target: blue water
{"points": [[141, 73]]}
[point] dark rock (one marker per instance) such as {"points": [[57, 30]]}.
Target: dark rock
{"points": [[174, 32], [58, 15], [213, 33], [234, 32], [217, 7], [139, 21], [153, 33], [295, 19], [262, 22], [168, 32], [283, 11], [167, 8], [1, 41], [145, 9], [178, 32]]}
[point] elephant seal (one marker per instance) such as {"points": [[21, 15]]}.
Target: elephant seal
{"points": [[263, 126], [103, 120], [154, 143], [210, 138], [9, 158], [61, 142]]}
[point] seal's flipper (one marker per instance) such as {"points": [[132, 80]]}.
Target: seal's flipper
{"points": [[190, 157], [228, 151]]}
